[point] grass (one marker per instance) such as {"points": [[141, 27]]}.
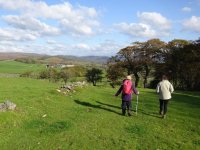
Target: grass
{"points": [[90, 119], [14, 67]]}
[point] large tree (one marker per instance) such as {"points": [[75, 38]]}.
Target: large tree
{"points": [[181, 62], [172, 60], [140, 58], [149, 55], [128, 58]]}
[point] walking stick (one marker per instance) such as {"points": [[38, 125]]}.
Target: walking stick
{"points": [[136, 105]]}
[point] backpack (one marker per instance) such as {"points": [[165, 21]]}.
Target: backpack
{"points": [[127, 87]]}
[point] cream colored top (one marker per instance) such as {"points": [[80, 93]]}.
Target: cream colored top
{"points": [[164, 89]]}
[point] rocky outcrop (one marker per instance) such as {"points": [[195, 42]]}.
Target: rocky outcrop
{"points": [[71, 87]]}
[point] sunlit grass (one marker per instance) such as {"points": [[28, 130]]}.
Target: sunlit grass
{"points": [[10, 66], [91, 119]]}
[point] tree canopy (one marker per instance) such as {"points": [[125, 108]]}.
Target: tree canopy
{"points": [[179, 59]]}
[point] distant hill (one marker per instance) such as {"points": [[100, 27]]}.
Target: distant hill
{"points": [[11, 55], [93, 59], [58, 58]]}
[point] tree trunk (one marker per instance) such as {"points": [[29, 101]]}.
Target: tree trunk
{"points": [[147, 70], [94, 83], [145, 82], [137, 79]]}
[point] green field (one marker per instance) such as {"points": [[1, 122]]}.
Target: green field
{"points": [[14, 67], [91, 119]]}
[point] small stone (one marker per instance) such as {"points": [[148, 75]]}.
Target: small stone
{"points": [[44, 115]]}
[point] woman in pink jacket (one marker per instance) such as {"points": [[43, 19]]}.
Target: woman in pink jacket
{"points": [[127, 88]]}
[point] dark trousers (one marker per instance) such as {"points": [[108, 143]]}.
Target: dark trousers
{"points": [[163, 106], [126, 104]]}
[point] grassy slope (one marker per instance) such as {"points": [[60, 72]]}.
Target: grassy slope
{"points": [[10, 66], [90, 119]]}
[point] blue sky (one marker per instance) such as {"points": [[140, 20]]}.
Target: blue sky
{"points": [[93, 27]]}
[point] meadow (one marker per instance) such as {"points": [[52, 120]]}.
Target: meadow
{"points": [[14, 67], [91, 119]]}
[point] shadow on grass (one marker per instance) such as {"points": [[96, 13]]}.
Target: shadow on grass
{"points": [[153, 114], [109, 105], [87, 104], [190, 100], [47, 128], [132, 109]]}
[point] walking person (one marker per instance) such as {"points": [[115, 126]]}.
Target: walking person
{"points": [[127, 88], [164, 89]]}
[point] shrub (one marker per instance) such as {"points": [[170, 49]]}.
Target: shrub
{"points": [[27, 74], [94, 75]]}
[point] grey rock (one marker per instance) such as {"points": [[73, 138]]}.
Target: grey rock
{"points": [[71, 87], [7, 105], [2, 107]]}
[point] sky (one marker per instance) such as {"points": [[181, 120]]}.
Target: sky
{"points": [[93, 27]]}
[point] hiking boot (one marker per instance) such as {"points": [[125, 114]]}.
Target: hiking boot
{"points": [[129, 114], [123, 112], [163, 116], [161, 112]]}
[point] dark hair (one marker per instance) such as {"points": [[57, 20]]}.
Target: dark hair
{"points": [[164, 77]]}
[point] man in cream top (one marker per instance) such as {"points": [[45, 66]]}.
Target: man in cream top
{"points": [[164, 89]]}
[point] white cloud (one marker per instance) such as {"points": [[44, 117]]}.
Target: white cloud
{"points": [[154, 19], [30, 23], [77, 20], [151, 25], [106, 48], [192, 24], [78, 27], [136, 29], [186, 9], [11, 34], [42, 9], [51, 42], [8, 46], [81, 46]]}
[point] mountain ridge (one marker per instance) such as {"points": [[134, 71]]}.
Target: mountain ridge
{"points": [[17, 55]]}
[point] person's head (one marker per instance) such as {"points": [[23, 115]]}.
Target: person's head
{"points": [[129, 77], [164, 77]]}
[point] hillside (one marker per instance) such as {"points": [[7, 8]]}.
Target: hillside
{"points": [[93, 59], [58, 58], [10, 56], [46, 119]]}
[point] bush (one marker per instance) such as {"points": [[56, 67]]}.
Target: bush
{"points": [[53, 75], [94, 75], [65, 74], [26, 60], [27, 74], [43, 74]]}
